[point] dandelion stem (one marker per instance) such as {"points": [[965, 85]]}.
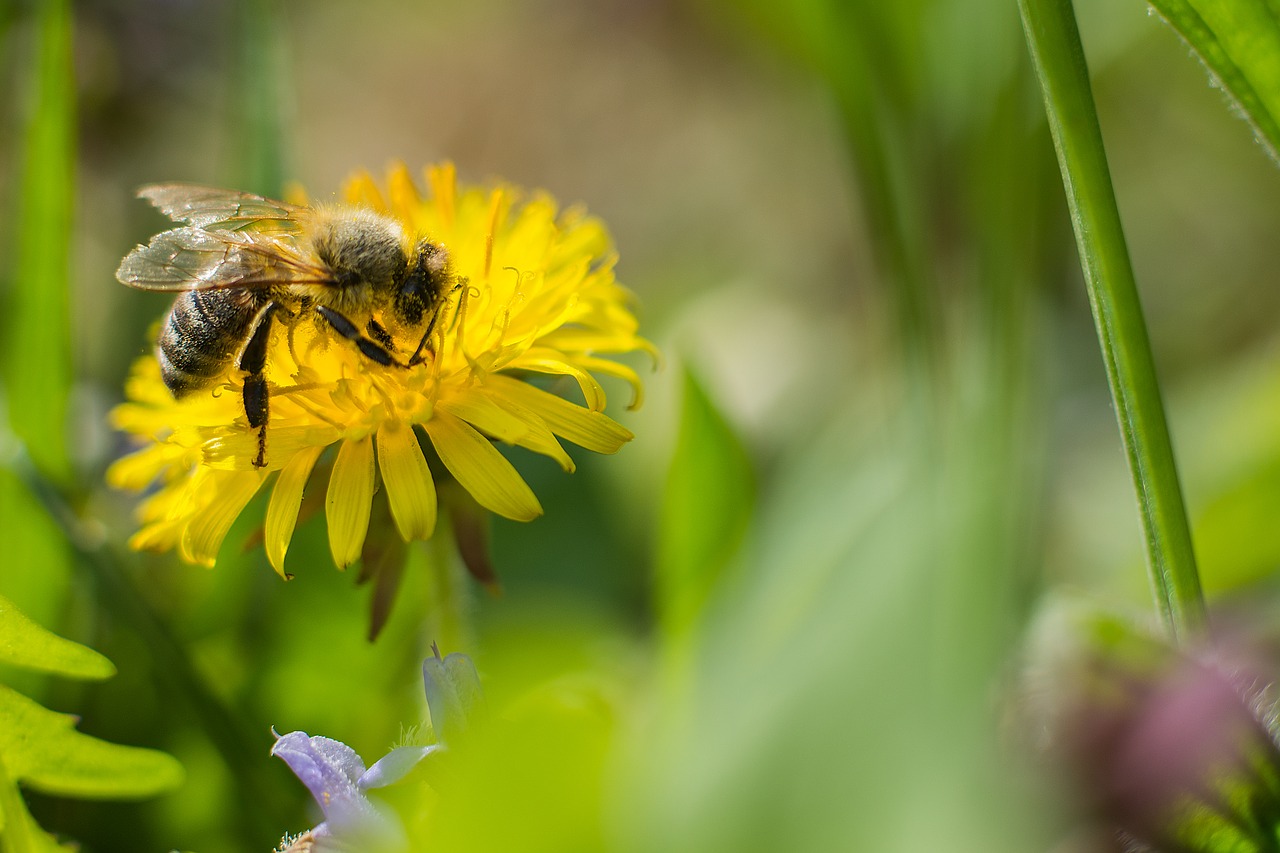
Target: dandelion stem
{"points": [[1058, 56], [448, 620]]}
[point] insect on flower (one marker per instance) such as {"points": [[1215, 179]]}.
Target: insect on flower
{"points": [[397, 337], [243, 262]]}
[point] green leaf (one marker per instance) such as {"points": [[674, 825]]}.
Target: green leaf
{"points": [[43, 750], [454, 696], [709, 498], [19, 832], [823, 667], [38, 338], [1239, 42], [24, 643]]}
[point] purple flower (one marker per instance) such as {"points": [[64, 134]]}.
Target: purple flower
{"points": [[337, 778], [1168, 749]]}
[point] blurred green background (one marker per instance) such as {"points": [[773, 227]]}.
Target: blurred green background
{"points": [[881, 437]]}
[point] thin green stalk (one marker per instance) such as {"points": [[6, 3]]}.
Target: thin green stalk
{"points": [[448, 619], [1058, 56]]}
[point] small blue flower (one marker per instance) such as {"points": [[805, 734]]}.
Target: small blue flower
{"points": [[336, 776]]}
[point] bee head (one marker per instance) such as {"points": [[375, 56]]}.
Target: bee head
{"points": [[422, 284]]}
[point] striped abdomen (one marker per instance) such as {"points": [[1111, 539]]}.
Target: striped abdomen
{"points": [[204, 332]]}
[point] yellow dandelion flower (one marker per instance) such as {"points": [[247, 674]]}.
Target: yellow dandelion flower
{"points": [[531, 292]]}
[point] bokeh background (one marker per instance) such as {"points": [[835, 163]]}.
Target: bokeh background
{"points": [[881, 400]]}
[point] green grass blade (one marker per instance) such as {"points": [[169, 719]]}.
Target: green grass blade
{"points": [[1239, 43], [261, 82], [709, 498], [1058, 56], [869, 56], [38, 354]]}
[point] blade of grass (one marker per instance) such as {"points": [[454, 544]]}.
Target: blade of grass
{"points": [[709, 498], [38, 352], [1058, 56], [261, 82], [36, 356], [861, 52]]}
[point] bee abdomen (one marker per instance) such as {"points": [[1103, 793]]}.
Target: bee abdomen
{"points": [[203, 333]]}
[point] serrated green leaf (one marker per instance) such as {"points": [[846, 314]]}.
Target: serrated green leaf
{"points": [[1239, 42], [42, 749], [24, 643], [19, 832], [709, 498]]}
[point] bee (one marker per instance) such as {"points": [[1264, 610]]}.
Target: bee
{"points": [[242, 262]]}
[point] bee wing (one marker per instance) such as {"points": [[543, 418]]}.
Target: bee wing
{"points": [[195, 259], [222, 210]]}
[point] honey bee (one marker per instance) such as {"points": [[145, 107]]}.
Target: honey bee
{"points": [[241, 262]]}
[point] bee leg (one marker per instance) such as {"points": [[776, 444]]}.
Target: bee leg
{"points": [[256, 397], [431, 327], [373, 351], [422, 344], [381, 335]]}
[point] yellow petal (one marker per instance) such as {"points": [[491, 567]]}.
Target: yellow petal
{"points": [[613, 368], [483, 413], [585, 428], [160, 506], [159, 537], [137, 470], [404, 198], [296, 193], [442, 179], [362, 191], [282, 512], [237, 449], [577, 339], [580, 236], [348, 499], [411, 493], [229, 491], [481, 469], [542, 361], [507, 420]]}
